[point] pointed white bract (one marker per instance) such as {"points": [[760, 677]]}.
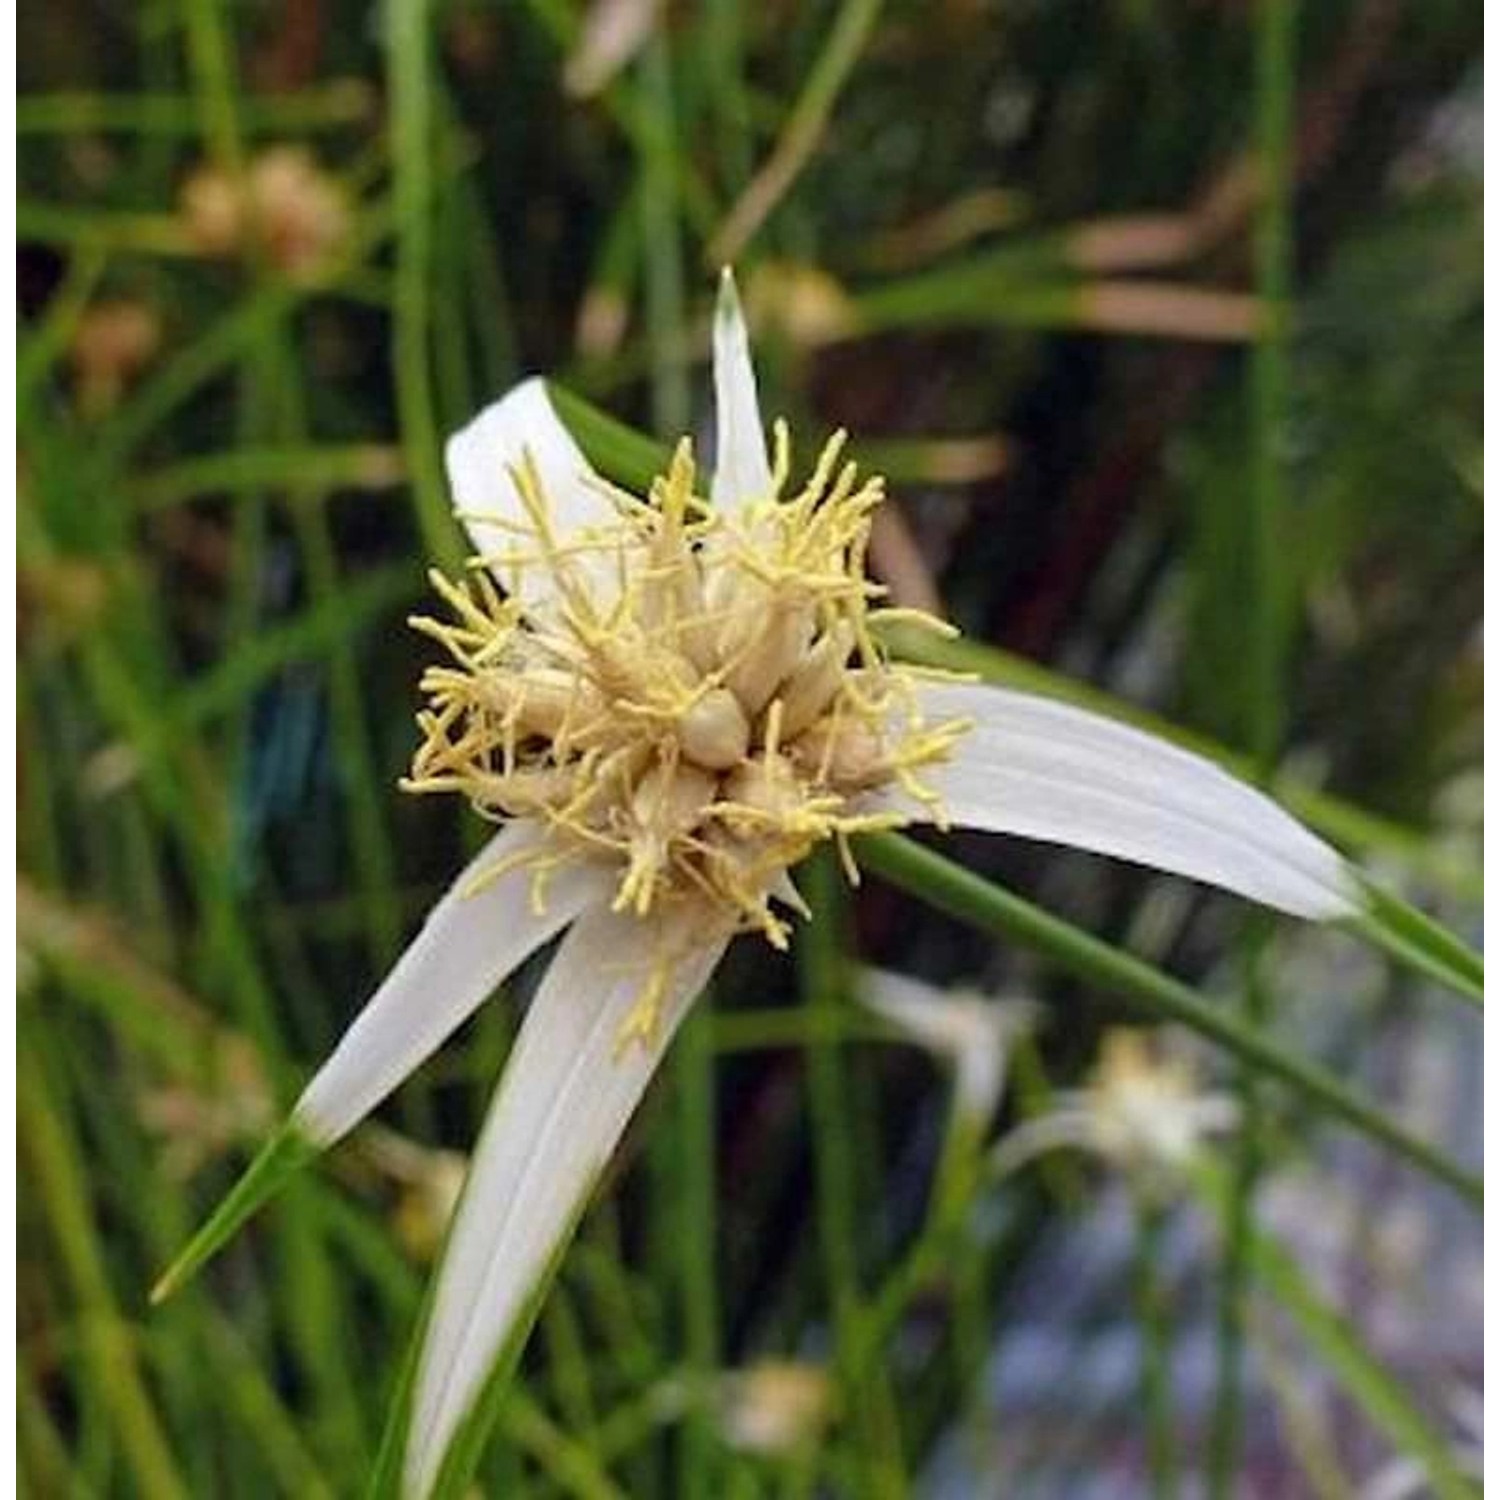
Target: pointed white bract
{"points": [[482, 459], [471, 940], [568, 1091], [1045, 770], [742, 471]]}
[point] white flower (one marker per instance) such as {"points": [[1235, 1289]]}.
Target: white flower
{"points": [[970, 1033], [667, 703], [774, 1407], [1142, 1111]]}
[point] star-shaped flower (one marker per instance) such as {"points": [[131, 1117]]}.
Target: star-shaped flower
{"points": [[666, 703]]}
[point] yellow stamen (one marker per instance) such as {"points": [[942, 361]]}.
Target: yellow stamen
{"points": [[691, 698]]}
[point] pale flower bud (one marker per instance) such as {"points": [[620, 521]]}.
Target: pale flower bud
{"points": [[810, 689], [768, 784], [542, 699], [714, 732], [765, 642]]}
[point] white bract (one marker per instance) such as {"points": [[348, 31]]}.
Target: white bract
{"points": [[667, 702]]}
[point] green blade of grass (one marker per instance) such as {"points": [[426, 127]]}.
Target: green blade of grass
{"points": [[340, 102], [285, 1154], [803, 130], [1413, 938], [409, 74], [57, 1177], [1364, 1376], [356, 466], [866, 1386]]}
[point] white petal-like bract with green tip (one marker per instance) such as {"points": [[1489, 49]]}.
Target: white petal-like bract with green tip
{"points": [[569, 1089], [476, 935], [1040, 769]]}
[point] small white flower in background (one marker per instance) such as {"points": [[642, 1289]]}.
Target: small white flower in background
{"points": [[967, 1032], [613, 32], [1142, 1110], [667, 703], [775, 1407]]}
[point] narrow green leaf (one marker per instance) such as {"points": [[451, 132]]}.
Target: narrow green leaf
{"points": [[340, 102], [623, 453], [110, 1347], [284, 1154], [409, 78], [1411, 937]]}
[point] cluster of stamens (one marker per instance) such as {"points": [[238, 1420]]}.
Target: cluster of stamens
{"points": [[692, 696]]}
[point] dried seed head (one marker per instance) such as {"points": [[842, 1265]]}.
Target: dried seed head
{"points": [[299, 214], [688, 696]]}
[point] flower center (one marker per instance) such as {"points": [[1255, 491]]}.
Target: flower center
{"points": [[692, 697]]}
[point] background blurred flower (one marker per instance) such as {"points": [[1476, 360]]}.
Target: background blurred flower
{"points": [[296, 213], [114, 341], [775, 1407], [1142, 1110], [969, 1034]]}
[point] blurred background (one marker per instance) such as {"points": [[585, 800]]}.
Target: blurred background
{"points": [[1162, 318]]}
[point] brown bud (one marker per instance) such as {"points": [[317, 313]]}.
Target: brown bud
{"points": [[843, 752]]}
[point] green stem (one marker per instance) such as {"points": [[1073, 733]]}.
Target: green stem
{"points": [[1154, 1316], [803, 130], [57, 1181], [865, 1386], [1414, 939], [1275, 95], [697, 1189], [670, 400], [409, 63], [342, 102]]}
